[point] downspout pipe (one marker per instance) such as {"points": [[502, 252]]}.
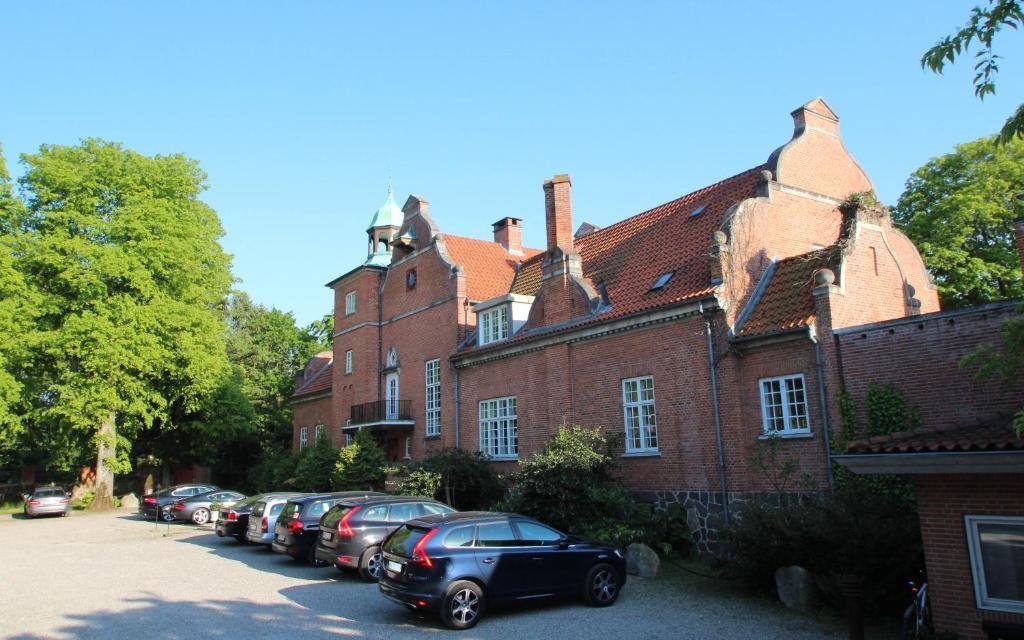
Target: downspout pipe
{"points": [[380, 337], [826, 431], [718, 417], [458, 412]]}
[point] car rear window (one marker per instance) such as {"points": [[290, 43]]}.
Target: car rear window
{"points": [[434, 509], [257, 509], [331, 519], [276, 509], [461, 537], [403, 512], [316, 509], [401, 543], [289, 510], [48, 493]]}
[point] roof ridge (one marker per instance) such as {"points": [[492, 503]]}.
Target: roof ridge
{"points": [[488, 242], [315, 376]]}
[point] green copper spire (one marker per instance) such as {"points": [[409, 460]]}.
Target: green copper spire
{"points": [[383, 227], [389, 214]]}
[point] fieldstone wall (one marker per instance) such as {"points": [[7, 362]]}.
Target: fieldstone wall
{"points": [[705, 513]]}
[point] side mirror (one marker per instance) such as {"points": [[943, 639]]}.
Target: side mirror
{"points": [[563, 543]]}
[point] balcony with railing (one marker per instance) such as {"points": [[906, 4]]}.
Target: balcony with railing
{"points": [[382, 413]]}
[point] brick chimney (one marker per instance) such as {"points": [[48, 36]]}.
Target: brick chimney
{"points": [[508, 232], [558, 213]]}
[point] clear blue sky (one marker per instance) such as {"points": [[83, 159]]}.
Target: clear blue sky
{"points": [[296, 110]]}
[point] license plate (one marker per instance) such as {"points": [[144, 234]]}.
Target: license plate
{"points": [[280, 538], [327, 535], [396, 567]]}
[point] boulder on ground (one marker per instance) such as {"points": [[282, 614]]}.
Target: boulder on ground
{"points": [[129, 501], [642, 561], [796, 589]]}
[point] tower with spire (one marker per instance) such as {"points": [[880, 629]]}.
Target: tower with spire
{"points": [[385, 224]]}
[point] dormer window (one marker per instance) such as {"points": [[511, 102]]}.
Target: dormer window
{"points": [[492, 324]]}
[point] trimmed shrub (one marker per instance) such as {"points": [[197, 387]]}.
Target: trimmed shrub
{"points": [[467, 482], [360, 465], [315, 470], [419, 482]]}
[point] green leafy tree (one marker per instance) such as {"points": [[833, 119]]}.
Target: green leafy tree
{"points": [[360, 465], [1004, 359], [131, 280], [315, 470], [467, 480], [958, 210], [984, 24]]}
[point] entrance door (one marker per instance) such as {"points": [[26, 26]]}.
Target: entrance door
{"points": [[391, 397]]}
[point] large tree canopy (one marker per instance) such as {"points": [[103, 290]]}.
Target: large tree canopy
{"points": [[131, 279], [981, 29], [957, 209]]}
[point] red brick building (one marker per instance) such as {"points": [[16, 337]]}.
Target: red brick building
{"points": [[693, 331]]}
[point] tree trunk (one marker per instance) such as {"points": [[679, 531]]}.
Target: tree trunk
{"points": [[106, 449]]}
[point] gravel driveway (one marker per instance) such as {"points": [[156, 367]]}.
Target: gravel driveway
{"points": [[114, 576]]}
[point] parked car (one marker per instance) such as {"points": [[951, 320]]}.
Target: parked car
{"points": [[234, 520], [47, 501], [156, 502], [263, 517], [459, 564], [298, 526], [351, 532], [197, 507]]}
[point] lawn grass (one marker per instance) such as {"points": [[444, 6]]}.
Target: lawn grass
{"points": [[11, 507]]}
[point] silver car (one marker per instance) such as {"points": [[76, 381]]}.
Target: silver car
{"points": [[263, 517], [198, 508], [47, 501]]}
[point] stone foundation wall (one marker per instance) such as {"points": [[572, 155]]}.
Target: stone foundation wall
{"points": [[705, 513]]}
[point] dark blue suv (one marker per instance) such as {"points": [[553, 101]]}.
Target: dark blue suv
{"points": [[458, 564]]}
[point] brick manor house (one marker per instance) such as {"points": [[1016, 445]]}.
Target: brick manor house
{"points": [[695, 329]]}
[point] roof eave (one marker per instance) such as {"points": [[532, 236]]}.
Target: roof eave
{"points": [[934, 462]]}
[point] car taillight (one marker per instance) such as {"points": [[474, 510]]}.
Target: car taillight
{"points": [[63, 500], [149, 500], [419, 553], [178, 506], [232, 515], [295, 526], [264, 524], [33, 502], [344, 530]]}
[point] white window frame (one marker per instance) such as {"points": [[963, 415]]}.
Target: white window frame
{"points": [[348, 362], [303, 437], [788, 416], [498, 420], [408, 447], [349, 439], [646, 425], [350, 303], [492, 324], [981, 597], [318, 432], [391, 396], [432, 398]]}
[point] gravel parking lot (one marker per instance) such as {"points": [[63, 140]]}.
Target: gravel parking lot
{"points": [[115, 576]]}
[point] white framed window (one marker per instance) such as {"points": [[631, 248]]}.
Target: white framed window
{"points": [[996, 546], [499, 430], [303, 437], [348, 362], [391, 397], [350, 303], [639, 415], [348, 439], [318, 432], [493, 324], [408, 447], [784, 405], [432, 376]]}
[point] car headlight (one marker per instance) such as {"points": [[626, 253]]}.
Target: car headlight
{"points": [[618, 552]]}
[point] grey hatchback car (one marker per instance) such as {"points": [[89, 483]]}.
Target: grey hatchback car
{"points": [[263, 517], [352, 531], [47, 501]]}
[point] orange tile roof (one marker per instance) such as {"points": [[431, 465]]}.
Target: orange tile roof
{"points": [[980, 437], [490, 269], [786, 303], [320, 381]]}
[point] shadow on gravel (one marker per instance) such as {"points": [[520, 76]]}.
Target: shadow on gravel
{"points": [[149, 616], [257, 556]]}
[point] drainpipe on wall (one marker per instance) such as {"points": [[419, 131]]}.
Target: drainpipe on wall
{"points": [[458, 412], [380, 336], [718, 417], [824, 407]]}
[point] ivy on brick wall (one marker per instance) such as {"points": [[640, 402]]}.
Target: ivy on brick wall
{"points": [[888, 411]]}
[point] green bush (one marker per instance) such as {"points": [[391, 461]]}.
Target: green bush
{"points": [[360, 465], [315, 470], [419, 482], [854, 531], [275, 472], [468, 481]]}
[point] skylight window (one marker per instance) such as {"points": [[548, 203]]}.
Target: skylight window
{"points": [[696, 212], [662, 280]]}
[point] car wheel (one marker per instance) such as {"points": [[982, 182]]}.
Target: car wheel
{"points": [[371, 565], [601, 587], [201, 515], [463, 605], [166, 515]]}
